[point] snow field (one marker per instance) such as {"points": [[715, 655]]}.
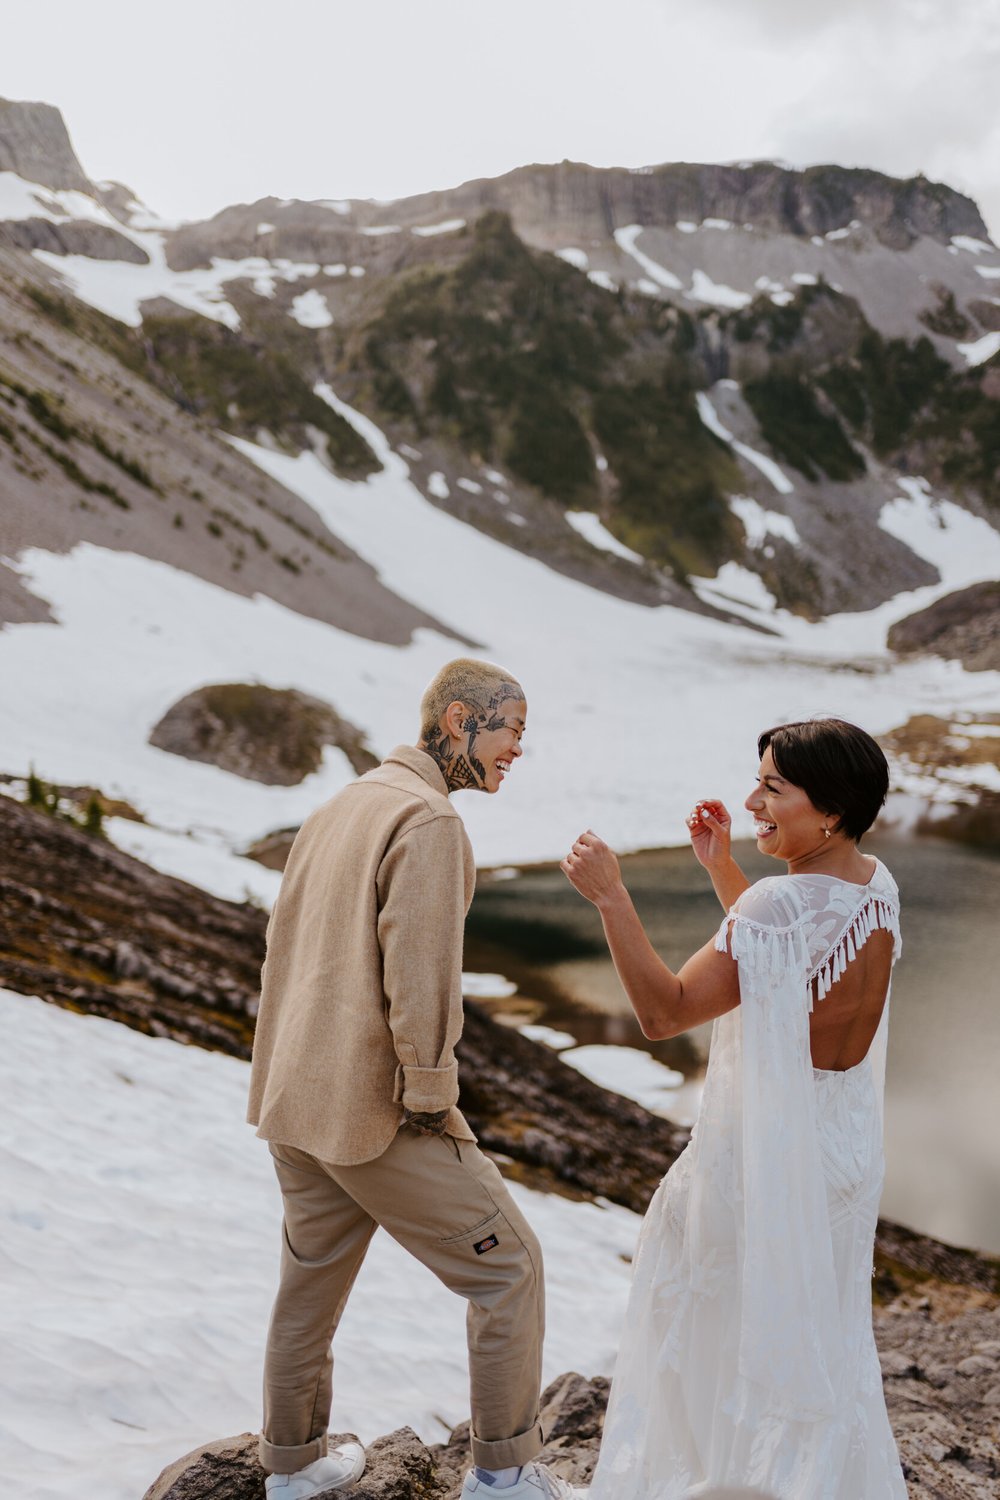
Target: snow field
{"points": [[135, 635], [140, 1255]]}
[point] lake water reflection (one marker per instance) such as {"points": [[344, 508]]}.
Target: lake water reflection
{"points": [[943, 1084]]}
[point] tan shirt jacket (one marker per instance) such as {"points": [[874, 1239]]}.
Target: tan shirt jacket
{"points": [[361, 990]]}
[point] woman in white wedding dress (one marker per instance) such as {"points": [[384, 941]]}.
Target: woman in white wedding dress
{"points": [[747, 1356]]}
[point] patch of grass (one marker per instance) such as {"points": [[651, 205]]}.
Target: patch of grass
{"points": [[48, 412], [130, 466]]}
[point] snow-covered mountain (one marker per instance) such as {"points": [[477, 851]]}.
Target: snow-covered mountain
{"points": [[681, 475]]}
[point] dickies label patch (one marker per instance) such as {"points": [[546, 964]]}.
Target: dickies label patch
{"points": [[489, 1243]]}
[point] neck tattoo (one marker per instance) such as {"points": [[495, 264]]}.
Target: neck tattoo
{"points": [[460, 767], [458, 774]]}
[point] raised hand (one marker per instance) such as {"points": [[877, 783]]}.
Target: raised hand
{"points": [[593, 868], [709, 824]]}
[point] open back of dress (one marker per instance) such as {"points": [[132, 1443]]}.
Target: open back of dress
{"points": [[747, 1356]]}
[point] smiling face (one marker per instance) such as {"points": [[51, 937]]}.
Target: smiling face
{"points": [[476, 742], [788, 825], [495, 743]]}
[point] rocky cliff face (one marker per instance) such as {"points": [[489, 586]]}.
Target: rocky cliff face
{"points": [[837, 321], [582, 201], [35, 143]]}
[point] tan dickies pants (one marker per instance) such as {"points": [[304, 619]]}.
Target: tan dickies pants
{"points": [[446, 1203]]}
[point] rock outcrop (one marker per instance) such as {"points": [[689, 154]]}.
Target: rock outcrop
{"points": [[74, 237], [272, 735], [35, 143], [964, 626], [940, 1367]]}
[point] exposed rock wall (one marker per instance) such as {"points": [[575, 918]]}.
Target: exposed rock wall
{"points": [[35, 143]]}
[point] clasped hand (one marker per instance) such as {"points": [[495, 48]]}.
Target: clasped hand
{"points": [[593, 868]]}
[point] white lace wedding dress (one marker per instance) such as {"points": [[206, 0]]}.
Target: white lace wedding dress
{"points": [[747, 1355]]}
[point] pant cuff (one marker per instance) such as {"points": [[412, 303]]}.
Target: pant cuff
{"points": [[275, 1459], [507, 1453]]}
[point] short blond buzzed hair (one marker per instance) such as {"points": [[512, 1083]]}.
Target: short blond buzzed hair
{"points": [[478, 684]]}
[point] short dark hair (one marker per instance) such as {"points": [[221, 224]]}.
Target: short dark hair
{"points": [[840, 768]]}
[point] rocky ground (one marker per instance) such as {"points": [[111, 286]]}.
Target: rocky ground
{"points": [[90, 928], [272, 735], [940, 1353], [964, 626]]}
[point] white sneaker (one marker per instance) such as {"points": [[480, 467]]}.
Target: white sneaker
{"points": [[341, 1469], [536, 1483]]}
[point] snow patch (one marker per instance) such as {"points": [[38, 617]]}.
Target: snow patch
{"points": [[578, 258], [982, 349], [438, 485], [964, 548], [739, 587], [548, 1036], [704, 289], [767, 466], [310, 309], [759, 523], [626, 239], [487, 987], [21, 199], [974, 247], [603, 280], [142, 1231], [449, 226], [627, 1071], [590, 526]]}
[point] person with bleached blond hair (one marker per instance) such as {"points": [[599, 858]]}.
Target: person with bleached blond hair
{"points": [[354, 1086]]}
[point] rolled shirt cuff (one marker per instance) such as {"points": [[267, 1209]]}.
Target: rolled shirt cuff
{"points": [[428, 1090]]}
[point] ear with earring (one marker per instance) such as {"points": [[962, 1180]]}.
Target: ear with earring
{"points": [[826, 831]]}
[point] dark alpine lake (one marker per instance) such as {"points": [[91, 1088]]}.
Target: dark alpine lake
{"points": [[943, 1084]]}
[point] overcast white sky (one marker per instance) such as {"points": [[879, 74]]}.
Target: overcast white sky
{"points": [[200, 103]]}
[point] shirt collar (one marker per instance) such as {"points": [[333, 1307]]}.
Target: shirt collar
{"points": [[421, 763]]}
